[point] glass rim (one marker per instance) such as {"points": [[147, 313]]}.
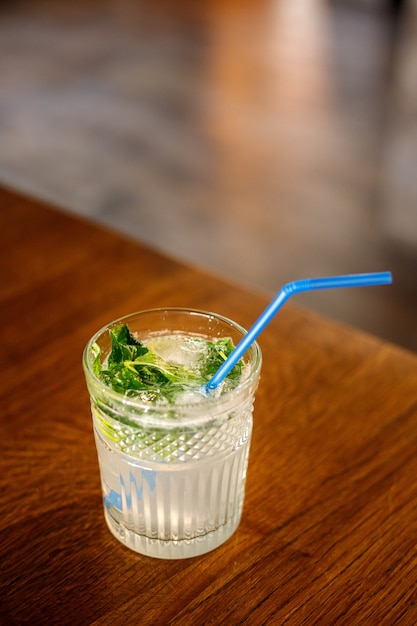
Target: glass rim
{"points": [[132, 402]]}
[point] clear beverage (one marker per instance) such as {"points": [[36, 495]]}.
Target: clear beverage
{"points": [[173, 476], [185, 506]]}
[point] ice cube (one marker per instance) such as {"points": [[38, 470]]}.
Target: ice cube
{"points": [[180, 349]]}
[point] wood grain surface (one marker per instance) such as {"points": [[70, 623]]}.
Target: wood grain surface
{"points": [[329, 528]]}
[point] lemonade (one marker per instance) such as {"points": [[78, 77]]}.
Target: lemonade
{"points": [[172, 458]]}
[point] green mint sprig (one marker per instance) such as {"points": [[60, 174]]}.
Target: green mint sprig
{"points": [[131, 366]]}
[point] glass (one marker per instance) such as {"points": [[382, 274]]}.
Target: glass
{"points": [[173, 475]]}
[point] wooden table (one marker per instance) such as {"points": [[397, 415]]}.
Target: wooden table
{"points": [[329, 529]]}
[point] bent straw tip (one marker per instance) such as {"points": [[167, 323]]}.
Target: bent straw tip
{"points": [[351, 280]]}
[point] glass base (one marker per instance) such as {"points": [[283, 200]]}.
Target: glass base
{"points": [[178, 549]]}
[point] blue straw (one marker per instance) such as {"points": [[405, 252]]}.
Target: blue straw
{"points": [[288, 290]]}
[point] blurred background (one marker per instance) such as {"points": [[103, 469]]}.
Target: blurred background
{"points": [[264, 140]]}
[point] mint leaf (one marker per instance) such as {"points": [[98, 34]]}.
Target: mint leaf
{"points": [[151, 366], [124, 345], [218, 352]]}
